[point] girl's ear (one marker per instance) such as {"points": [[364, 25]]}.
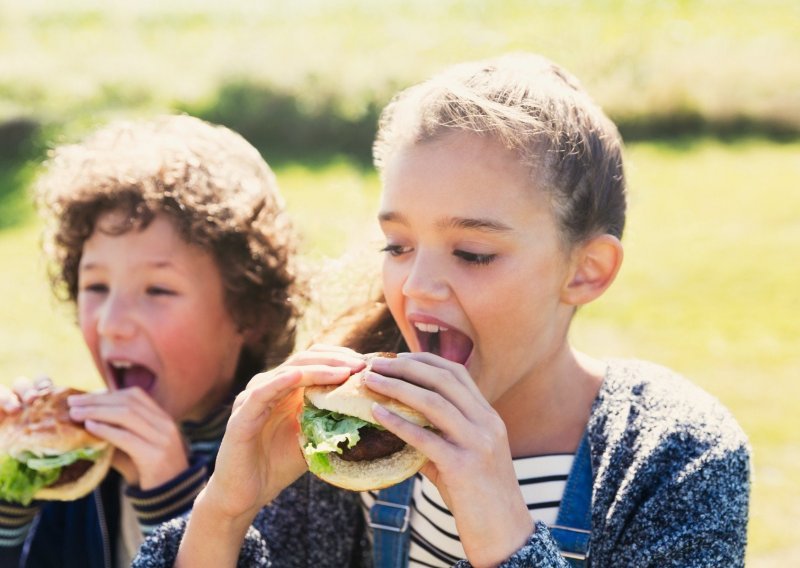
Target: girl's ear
{"points": [[595, 264]]}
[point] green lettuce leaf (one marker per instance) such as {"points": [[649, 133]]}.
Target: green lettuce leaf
{"points": [[22, 476], [19, 483], [324, 431]]}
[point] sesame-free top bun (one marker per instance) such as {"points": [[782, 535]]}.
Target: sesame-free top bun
{"points": [[354, 398], [43, 427]]}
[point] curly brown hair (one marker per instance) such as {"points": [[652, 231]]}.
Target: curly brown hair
{"points": [[216, 189]]}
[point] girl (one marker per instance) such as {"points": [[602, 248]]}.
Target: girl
{"points": [[170, 238], [503, 204]]}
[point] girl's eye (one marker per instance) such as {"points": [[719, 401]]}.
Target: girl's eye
{"points": [[474, 258], [159, 291], [395, 250]]}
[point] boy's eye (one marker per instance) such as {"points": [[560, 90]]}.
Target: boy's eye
{"points": [[396, 250], [473, 257], [96, 288]]}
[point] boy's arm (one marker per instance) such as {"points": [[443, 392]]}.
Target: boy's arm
{"points": [[15, 523], [171, 499]]}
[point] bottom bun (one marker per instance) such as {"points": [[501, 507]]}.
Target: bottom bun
{"points": [[81, 486], [374, 474]]}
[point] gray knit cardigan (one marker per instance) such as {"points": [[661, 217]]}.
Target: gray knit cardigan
{"points": [[671, 487]]}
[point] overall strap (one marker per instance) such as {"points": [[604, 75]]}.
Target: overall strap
{"points": [[388, 518], [574, 522]]}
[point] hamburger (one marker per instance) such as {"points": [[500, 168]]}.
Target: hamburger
{"points": [[345, 446], [46, 455]]}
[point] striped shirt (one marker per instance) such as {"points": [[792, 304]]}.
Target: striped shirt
{"points": [[434, 538]]}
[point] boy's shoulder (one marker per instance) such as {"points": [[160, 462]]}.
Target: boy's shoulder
{"points": [[657, 402]]}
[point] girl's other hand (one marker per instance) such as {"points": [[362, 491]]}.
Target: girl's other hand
{"points": [[470, 459], [260, 454]]}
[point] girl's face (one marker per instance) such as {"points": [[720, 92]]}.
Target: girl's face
{"points": [[474, 269], [152, 313]]}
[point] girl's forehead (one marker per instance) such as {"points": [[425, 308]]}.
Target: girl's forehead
{"points": [[461, 172]]}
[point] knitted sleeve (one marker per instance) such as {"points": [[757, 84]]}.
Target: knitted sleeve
{"points": [[672, 473], [169, 500], [540, 551]]}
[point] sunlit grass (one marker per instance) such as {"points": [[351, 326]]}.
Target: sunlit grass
{"points": [[709, 287], [77, 57]]}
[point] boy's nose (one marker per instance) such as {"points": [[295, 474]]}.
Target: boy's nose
{"points": [[115, 319], [426, 280]]}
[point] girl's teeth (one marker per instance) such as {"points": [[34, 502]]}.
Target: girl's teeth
{"points": [[121, 364], [429, 327]]}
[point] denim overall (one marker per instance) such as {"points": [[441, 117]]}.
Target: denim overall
{"points": [[389, 517]]}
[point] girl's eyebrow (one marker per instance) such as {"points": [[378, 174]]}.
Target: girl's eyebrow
{"points": [[474, 223], [480, 224]]}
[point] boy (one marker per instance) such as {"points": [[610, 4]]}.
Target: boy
{"points": [[170, 238]]}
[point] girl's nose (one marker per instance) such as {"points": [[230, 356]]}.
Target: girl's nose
{"points": [[426, 279], [116, 318]]}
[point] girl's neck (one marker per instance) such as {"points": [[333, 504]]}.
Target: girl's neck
{"points": [[547, 413]]}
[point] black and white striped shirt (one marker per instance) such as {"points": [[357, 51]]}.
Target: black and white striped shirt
{"points": [[434, 538]]}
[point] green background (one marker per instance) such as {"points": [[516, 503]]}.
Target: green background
{"points": [[707, 95]]}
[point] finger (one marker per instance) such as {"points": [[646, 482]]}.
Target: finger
{"points": [[435, 447], [327, 355], [24, 389], [253, 403], [446, 381], [149, 422], [440, 412], [9, 402], [312, 374], [456, 369], [131, 401]]}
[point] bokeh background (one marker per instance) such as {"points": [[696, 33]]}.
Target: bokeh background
{"points": [[705, 92]]}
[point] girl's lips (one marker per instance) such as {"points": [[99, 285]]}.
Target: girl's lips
{"points": [[441, 339]]}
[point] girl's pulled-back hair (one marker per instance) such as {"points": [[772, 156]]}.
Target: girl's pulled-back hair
{"points": [[220, 195], [535, 108]]}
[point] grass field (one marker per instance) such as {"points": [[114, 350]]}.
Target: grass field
{"points": [[711, 280], [709, 287]]}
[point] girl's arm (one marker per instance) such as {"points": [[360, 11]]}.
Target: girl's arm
{"points": [[259, 456]]}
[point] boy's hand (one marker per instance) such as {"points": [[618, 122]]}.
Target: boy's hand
{"points": [[151, 450], [22, 389]]}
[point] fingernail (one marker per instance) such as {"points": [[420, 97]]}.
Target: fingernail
{"points": [[77, 413]]}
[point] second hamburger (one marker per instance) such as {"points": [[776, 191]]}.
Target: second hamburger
{"points": [[345, 446]]}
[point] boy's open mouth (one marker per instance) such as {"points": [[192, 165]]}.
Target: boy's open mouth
{"points": [[127, 374], [445, 342]]}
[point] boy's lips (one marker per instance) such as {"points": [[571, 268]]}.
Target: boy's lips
{"points": [[127, 374], [443, 340]]}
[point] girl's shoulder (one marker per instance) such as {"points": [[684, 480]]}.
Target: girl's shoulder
{"points": [[653, 402]]}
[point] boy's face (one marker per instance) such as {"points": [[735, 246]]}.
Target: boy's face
{"points": [[152, 313], [474, 248]]}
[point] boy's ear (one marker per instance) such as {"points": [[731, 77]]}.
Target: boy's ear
{"points": [[595, 264]]}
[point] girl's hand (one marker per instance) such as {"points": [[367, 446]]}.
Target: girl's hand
{"points": [[260, 454], [150, 448], [470, 460]]}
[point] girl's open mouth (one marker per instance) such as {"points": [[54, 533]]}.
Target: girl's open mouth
{"points": [[443, 341], [127, 375]]}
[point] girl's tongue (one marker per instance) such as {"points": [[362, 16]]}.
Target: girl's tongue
{"points": [[450, 344], [135, 376]]}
